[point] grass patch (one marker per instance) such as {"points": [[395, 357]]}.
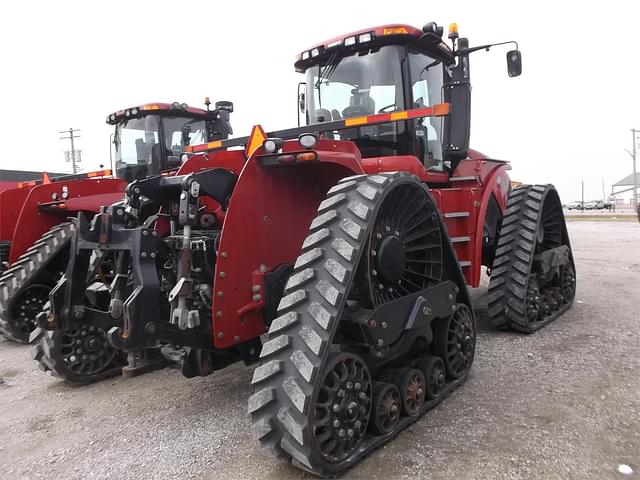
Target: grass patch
{"points": [[604, 218]]}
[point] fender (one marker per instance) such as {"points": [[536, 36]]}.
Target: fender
{"points": [[404, 163], [83, 195], [11, 202], [262, 232], [496, 184]]}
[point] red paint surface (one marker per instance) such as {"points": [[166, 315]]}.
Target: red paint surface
{"points": [[86, 195], [268, 218], [272, 207]]}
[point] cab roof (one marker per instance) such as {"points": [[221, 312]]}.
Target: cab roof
{"points": [[391, 34], [174, 108]]}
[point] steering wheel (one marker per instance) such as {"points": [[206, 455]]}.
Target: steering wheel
{"points": [[392, 106]]}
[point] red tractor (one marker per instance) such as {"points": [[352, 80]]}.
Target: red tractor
{"points": [[350, 242], [34, 227]]}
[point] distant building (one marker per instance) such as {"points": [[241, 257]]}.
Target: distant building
{"points": [[11, 178], [623, 189]]}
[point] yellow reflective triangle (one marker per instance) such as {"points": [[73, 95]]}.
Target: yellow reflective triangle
{"points": [[255, 140]]}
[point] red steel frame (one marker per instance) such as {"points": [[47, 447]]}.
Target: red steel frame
{"points": [[271, 209]]}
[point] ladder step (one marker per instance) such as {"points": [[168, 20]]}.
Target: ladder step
{"points": [[460, 239], [464, 179], [464, 263], [456, 214]]}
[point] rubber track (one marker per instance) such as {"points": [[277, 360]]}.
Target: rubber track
{"points": [[301, 336], [26, 268], [514, 258]]}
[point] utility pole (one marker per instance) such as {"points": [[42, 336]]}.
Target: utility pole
{"points": [[72, 137], [635, 180], [582, 196]]}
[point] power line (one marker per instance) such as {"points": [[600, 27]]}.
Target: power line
{"points": [[74, 159]]}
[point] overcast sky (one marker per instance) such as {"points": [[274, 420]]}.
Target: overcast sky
{"points": [[566, 119]]}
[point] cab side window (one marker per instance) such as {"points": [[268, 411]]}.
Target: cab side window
{"points": [[426, 88]]}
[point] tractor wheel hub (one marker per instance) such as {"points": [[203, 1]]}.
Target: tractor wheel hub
{"points": [[391, 259]]}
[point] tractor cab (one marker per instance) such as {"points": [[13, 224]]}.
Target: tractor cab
{"points": [[390, 69], [151, 138]]}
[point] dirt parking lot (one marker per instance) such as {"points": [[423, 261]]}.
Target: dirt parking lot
{"points": [[562, 403]]}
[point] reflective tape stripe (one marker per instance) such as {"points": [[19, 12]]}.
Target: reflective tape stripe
{"points": [[350, 122], [399, 115]]}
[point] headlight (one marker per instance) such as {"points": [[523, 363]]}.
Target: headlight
{"points": [[272, 145], [308, 140], [349, 41]]}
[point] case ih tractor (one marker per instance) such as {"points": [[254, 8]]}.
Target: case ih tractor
{"points": [[35, 227], [347, 243]]}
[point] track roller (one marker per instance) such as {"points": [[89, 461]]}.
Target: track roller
{"points": [[435, 374], [387, 406], [413, 387]]}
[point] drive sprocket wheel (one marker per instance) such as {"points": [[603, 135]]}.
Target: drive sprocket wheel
{"points": [[342, 407], [78, 356], [387, 406]]}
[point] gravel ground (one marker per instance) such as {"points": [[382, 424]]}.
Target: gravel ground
{"points": [[562, 403]]}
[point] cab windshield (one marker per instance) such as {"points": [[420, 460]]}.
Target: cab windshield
{"points": [[145, 146], [371, 82], [365, 83], [357, 85]]}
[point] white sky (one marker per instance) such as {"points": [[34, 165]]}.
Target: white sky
{"points": [[566, 119]]}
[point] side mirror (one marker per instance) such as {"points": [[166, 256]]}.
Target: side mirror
{"points": [[514, 63], [302, 100], [224, 105], [186, 135]]}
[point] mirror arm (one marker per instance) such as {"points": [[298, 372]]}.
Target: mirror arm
{"points": [[467, 51]]}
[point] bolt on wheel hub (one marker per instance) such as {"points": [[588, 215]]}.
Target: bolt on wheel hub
{"points": [[342, 407], [390, 259]]}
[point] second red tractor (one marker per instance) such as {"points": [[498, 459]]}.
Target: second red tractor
{"points": [[35, 224]]}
